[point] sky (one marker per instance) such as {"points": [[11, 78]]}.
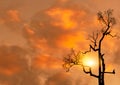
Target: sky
{"points": [[35, 36]]}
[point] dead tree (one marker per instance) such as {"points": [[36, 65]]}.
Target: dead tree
{"points": [[107, 20]]}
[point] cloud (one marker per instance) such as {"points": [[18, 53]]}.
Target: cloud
{"points": [[62, 78], [11, 60], [14, 15], [10, 15], [10, 5], [59, 79], [66, 18], [50, 33], [14, 67], [47, 62], [10, 20], [116, 54], [59, 27], [63, 1]]}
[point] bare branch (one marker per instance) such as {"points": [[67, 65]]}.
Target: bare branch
{"points": [[114, 36], [113, 72], [91, 48], [89, 71], [106, 17], [71, 60], [111, 20], [101, 18], [93, 38]]}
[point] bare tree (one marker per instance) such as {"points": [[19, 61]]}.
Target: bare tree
{"points": [[107, 20]]}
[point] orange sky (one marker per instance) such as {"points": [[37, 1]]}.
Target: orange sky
{"points": [[36, 35]]}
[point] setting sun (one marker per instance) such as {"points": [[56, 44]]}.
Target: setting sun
{"points": [[88, 62]]}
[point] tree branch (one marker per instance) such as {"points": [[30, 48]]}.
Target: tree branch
{"points": [[89, 71], [91, 48], [113, 72]]}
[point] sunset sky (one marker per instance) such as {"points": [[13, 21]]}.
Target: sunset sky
{"points": [[35, 35]]}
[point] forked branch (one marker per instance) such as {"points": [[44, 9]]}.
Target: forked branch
{"points": [[89, 71]]}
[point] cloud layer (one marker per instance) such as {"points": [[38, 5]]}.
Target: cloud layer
{"points": [[43, 35]]}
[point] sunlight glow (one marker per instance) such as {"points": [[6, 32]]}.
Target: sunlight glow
{"points": [[89, 62]]}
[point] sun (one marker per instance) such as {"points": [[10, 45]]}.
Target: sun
{"points": [[89, 62]]}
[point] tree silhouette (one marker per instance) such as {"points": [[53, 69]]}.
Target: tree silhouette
{"points": [[107, 20]]}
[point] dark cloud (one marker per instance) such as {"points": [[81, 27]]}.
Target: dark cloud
{"points": [[59, 79], [11, 59], [14, 68], [10, 4]]}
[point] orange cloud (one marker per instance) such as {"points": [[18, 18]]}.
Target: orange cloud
{"points": [[9, 71], [65, 18], [9, 66], [34, 40], [55, 28], [11, 62], [71, 40], [59, 79], [63, 1], [46, 62], [2, 21], [28, 29], [14, 15]]}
